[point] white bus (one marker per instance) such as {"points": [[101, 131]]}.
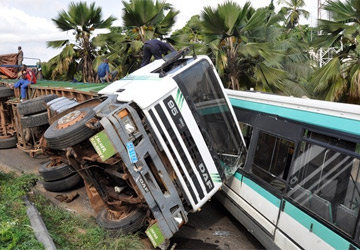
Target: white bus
{"points": [[299, 186]]}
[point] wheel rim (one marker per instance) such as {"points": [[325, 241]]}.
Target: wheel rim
{"points": [[118, 215], [70, 119], [3, 137]]}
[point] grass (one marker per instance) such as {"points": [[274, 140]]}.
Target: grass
{"points": [[68, 230], [15, 229]]}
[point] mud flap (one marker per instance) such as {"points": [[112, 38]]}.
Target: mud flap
{"points": [[155, 235]]}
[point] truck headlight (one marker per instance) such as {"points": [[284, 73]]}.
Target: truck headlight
{"points": [[129, 125], [179, 219]]}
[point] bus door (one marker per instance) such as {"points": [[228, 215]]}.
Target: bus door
{"points": [[263, 179], [321, 211]]}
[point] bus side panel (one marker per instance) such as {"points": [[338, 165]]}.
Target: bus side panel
{"points": [[256, 201], [308, 232], [261, 200], [255, 215], [283, 241]]}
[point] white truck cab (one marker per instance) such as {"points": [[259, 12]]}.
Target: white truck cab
{"points": [[169, 131]]}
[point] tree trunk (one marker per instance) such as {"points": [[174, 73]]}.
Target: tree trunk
{"points": [[232, 65], [88, 72]]}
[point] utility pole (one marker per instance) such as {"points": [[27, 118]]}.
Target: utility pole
{"points": [[322, 14], [323, 56]]}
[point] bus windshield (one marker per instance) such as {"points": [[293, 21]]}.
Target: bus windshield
{"points": [[207, 102]]}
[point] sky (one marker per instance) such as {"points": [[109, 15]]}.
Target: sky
{"points": [[28, 23]]}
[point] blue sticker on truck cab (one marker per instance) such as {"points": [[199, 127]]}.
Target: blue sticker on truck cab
{"points": [[131, 152]]}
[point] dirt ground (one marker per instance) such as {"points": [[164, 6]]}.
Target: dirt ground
{"points": [[212, 228]]}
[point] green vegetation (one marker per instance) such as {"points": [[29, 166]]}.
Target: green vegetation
{"points": [[83, 20], [15, 229], [69, 231], [266, 49]]}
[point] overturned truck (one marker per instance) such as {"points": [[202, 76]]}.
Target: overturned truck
{"points": [[155, 146]]}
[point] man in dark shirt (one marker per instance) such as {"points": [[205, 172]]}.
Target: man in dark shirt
{"points": [[104, 74], [155, 48]]}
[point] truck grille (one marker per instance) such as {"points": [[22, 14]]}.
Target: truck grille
{"points": [[190, 146], [173, 155]]}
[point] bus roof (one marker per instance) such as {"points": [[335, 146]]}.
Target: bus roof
{"points": [[345, 110]]}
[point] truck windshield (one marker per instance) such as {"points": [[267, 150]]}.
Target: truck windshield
{"points": [[206, 100]]}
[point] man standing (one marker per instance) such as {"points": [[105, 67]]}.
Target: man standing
{"points": [[104, 74], [155, 48], [20, 56]]}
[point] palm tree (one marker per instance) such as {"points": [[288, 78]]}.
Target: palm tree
{"points": [[293, 11], [121, 48], [339, 80], [241, 52], [63, 66], [190, 33], [83, 20], [143, 20], [147, 19]]}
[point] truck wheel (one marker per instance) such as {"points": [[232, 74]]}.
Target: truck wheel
{"points": [[6, 92], [8, 142], [128, 224], [63, 184], [35, 105], [53, 173], [69, 129], [31, 121]]}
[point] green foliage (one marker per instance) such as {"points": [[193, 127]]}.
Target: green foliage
{"points": [[68, 231], [293, 11], [191, 35], [147, 19], [339, 79], [83, 19], [15, 229], [252, 50], [71, 231]]}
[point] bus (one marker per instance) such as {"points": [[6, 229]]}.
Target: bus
{"points": [[299, 187]]}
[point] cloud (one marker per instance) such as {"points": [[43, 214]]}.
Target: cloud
{"points": [[31, 32]]}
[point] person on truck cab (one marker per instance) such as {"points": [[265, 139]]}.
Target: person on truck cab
{"points": [[155, 48], [104, 74]]}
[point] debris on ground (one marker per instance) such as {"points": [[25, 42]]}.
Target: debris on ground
{"points": [[67, 197]]}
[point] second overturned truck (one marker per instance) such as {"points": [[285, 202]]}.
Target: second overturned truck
{"points": [[154, 147]]}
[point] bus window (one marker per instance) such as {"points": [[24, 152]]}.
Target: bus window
{"points": [[272, 159], [326, 181], [246, 131]]}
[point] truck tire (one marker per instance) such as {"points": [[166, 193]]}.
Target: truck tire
{"points": [[63, 184], [6, 92], [8, 142], [129, 224], [53, 173], [31, 121], [69, 129], [35, 105]]}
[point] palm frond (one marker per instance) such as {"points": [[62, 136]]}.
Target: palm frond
{"points": [[256, 20], [341, 11], [354, 90], [324, 76], [269, 79], [57, 44]]}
